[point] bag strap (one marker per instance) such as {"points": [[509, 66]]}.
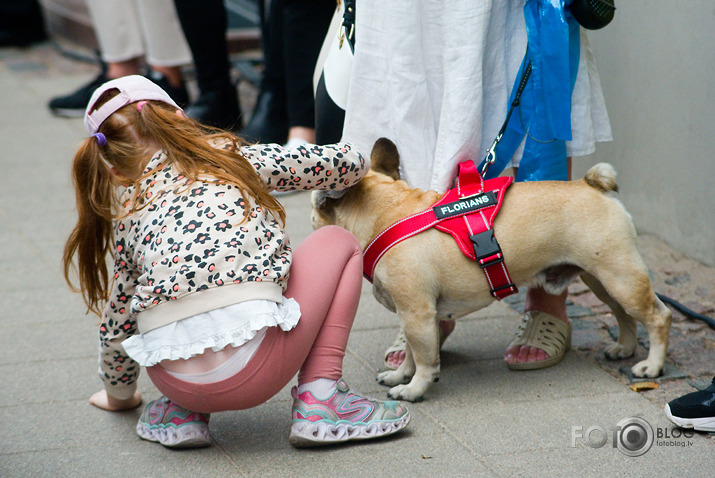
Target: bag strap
{"points": [[348, 28]]}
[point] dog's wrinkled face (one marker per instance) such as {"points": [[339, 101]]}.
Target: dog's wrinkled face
{"points": [[384, 160]]}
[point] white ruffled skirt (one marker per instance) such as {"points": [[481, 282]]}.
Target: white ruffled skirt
{"points": [[234, 325]]}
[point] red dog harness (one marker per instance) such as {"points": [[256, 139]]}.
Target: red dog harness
{"points": [[466, 212]]}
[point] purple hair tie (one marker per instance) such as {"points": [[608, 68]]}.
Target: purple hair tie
{"points": [[101, 139]]}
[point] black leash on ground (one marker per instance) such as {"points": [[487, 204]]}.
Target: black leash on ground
{"points": [[685, 311]]}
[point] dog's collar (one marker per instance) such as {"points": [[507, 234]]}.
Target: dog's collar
{"points": [[467, 212]]}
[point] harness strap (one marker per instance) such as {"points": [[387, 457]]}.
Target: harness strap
{"points": [[397, 232], [466, 211], [490, 258]]}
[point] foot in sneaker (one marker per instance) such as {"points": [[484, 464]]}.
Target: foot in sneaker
{"points": [[695, 410], [74, 104], [173, 426], [343, 416]]}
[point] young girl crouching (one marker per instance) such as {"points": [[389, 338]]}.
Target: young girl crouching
{"points": [[206, 291]]}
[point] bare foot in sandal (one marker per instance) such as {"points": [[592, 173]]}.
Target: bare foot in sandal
{"points": [[395, 354], [533, 349]]}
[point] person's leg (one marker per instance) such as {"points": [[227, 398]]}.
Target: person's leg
{"points": [[166, 47], [269, 120], [325, 409], [121, 49], [325, 280], [537, 300], [204, 24], [116, 24], [305, 24], [341, 284]]}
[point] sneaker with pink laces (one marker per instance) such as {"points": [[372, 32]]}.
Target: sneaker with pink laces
{"points": [[343, 416], [173, 426]]}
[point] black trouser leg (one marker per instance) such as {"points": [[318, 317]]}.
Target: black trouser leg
{"points": [[305, 24], [269, 121], [205, 23]]}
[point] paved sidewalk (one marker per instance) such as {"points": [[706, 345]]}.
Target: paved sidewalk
{"points": [[480, 420]]}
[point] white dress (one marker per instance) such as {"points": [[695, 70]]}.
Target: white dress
{"points": [[435, 77]]}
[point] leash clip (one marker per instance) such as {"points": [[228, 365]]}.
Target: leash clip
{"points": [[491, 156]]}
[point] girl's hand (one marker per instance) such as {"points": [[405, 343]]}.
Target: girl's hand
{"points": [[105, 401]]}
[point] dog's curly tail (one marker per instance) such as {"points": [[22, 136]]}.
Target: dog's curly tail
{"points": [[602, 176]]}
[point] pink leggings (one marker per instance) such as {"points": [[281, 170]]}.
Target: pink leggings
{"points": [[325, 279]]}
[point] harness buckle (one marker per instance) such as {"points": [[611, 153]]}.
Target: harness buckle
{"points": [[486, 248]]}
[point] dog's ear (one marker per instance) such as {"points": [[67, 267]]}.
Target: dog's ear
{"points": [[385, 159]]}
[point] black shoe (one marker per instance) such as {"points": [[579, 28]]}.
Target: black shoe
{"points": [[217, 108], [180, 95], [695, 410], [74, 104], [269, 123]]}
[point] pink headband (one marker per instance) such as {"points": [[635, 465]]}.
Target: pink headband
{"points": [[131, 88]]}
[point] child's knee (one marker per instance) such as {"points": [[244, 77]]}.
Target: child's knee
{"points": [[337, 236]]}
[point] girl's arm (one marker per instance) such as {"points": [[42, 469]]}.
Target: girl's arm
{"points": [[116, 369], [334, 166]]}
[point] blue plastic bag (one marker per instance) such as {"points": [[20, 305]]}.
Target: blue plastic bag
{"points": [[543, 115]]}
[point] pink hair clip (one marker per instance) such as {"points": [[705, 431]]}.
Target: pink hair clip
{"points": [[140, 105]]}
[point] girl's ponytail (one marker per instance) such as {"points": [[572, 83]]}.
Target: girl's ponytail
{"points": [[91, 238]]}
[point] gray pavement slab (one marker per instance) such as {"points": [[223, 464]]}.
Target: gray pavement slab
{"points": [[479, 420]]}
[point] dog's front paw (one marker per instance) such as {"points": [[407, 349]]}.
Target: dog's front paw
{"points": [[392, 378], [618, 351], [646, 369], [406, 392]]}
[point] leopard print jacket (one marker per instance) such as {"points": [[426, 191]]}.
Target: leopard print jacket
{"points": [[187, 251]]}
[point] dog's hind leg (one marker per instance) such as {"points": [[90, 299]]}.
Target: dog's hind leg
{"points": [[626, 345], [627, 290]]}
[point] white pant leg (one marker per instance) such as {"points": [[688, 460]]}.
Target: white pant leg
{"points": [[128, 29], [164, 39], [116, 26]]}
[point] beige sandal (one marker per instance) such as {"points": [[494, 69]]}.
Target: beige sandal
{"points": [[543, 331]]}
